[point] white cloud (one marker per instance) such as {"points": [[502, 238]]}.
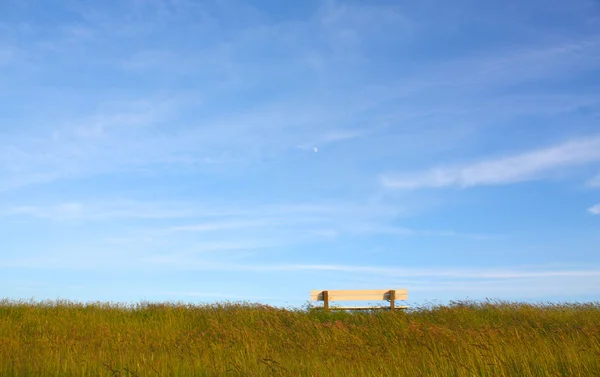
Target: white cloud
{"points": [[530, 272], [512, 169], [236, 215], [197, 248], [595, 210], [331, 137], [594, 182], [275, 124], [197, 259], [110, 139], [523, 63], [114, 209], [210, 226], [292, 220]]}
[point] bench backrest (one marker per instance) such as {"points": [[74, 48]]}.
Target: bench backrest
{"points": [[359, 295]]}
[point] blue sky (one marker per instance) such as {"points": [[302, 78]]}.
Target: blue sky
{"points": [[186, 150]]}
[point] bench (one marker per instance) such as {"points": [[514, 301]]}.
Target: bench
{"points": [[390, 295]]}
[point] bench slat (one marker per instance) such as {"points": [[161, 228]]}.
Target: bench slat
{"points": [[363, 297], [358, 291], [354, 295]]}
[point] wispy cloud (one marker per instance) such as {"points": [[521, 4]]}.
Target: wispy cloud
{"points": [[120, 138], [196, 260], [332, 220], [521, 63], [107, 210], [244, 214], [86, 145], [512, 169], [594, 210], [455, 273], [594, 182], [128, 136], [205, 137], [381, 229], [331, 137], [201, 248], [211, 226]]}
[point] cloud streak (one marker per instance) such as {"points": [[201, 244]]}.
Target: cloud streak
{"points": [[107, 210], [97, 144], [331, 137], [506, 170], [212, 226], [333, 220], [451, 273], [594, 182], [193, 262], [595, 210]]}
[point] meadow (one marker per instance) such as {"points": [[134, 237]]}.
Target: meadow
{"points": [[62, 338]]}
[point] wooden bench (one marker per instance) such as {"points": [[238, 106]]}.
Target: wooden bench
{"points": [[390, 295]]}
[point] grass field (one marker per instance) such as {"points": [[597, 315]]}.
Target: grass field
{"points": [[239, 339]]}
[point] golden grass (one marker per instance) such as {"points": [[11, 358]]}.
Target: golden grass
{"points": [[238, 339]]}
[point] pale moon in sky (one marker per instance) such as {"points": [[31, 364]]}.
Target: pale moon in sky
{"points": [[315, 149]]}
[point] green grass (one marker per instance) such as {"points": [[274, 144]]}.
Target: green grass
{"points": [[238, 339]]}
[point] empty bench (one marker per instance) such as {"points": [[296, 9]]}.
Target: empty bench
{"points": [[390, 295]]}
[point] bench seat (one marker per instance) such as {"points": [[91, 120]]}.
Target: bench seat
{"points": [[390, 295]]}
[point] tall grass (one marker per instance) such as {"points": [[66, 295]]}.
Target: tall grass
{"points": [[61, 338]]}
